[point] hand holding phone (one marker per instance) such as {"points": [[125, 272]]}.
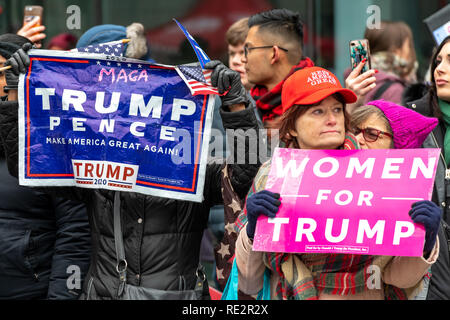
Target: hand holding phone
{"points": [[362, 78], [31, 12], [360, 50], [32, 25]]}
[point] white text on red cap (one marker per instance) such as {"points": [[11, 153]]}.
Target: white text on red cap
{"points": [[318, 77]]}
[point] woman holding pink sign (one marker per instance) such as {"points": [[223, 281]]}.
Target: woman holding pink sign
{"points": [[314, 118]]}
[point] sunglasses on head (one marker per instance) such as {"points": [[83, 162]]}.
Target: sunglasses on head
{"points": [[371, 134]]}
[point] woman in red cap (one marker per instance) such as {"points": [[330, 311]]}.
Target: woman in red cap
{"points": [[314, 117]]}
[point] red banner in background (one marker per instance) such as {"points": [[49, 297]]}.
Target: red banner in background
{"points": [[208, 20]]}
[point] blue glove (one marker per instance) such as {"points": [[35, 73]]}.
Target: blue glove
{"points": [[263, 202], [428, 214]]}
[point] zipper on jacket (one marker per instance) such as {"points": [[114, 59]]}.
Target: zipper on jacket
{"points": [[91, 280], [447, 173], [447, 177]]}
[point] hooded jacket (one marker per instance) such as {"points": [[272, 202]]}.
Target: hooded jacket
{"points": [[161, 236]]}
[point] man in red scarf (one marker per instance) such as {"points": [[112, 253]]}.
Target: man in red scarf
{"points": [[273, 51]]}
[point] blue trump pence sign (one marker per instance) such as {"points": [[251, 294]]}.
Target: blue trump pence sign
{"points": [[98, 121]]}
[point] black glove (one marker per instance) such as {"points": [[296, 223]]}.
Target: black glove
{"points": [[19, 62], [428, 214], [263, 202], [229, 80]]}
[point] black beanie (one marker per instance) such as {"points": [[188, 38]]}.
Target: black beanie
{"points": [[10, 43]]}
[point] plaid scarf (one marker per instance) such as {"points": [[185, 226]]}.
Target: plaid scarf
{"points": [[269, 102], [306, 276]]}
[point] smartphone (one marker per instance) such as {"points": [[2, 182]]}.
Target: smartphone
{"points": [[31, 12], [360, 50]]}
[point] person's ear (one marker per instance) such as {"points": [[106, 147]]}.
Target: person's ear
{"points": [[275, 55], [293, 133]]}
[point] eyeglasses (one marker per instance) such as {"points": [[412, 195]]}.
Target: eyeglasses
{"points": [[247, 49], [371, 134]]}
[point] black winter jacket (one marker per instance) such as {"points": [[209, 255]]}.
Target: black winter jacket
{"points": [[439, 288], [44, 243], [161, 236]]}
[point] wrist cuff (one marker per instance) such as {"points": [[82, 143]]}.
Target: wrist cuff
{"points": [[10, 87]]}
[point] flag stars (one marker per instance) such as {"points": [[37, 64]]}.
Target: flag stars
{"points": [[224, 250], [129, 65], [235, 206], [220, 273], [229, 227], [119, 64], [98, 63], [139, 65], [108, 63]]}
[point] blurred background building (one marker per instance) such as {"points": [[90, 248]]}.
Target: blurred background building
{"points": [[330, 24]]}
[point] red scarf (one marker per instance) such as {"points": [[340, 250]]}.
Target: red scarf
{"points": [[269, 102]]}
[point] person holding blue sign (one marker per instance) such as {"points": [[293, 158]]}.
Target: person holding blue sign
{"points": [[147, 247]]}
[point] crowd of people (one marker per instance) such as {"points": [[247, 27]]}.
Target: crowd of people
{"points": [[128, 245]]}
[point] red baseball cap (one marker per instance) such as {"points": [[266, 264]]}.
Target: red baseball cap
{"points": [[311, 85]]}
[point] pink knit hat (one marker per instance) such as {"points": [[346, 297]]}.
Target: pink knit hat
{"points": [[410, 128]]}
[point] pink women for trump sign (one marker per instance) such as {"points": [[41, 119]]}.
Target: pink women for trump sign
{"points": [[347, 201]]}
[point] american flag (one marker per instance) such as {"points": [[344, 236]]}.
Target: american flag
{"points": [[113, 48], [197, 79]]}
